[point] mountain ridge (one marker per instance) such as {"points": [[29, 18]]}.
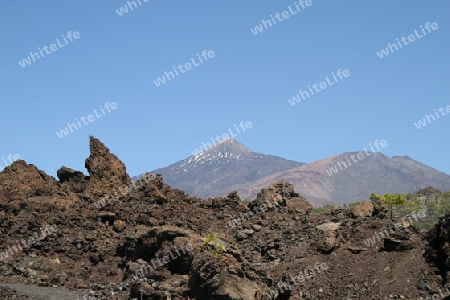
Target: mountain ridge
{"points": [[378, 173], [230, 165]]}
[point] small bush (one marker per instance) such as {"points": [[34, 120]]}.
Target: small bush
{"points": [[218, 245]]}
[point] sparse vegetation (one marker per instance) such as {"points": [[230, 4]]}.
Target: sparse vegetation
{"points": [[393, 201], [218, 245], [325, 208], [433, 201]]}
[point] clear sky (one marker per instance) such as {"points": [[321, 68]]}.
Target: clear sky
{"points": [[249, 78]]}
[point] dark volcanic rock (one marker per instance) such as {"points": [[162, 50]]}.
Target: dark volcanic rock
{"points": [[439, 250], [133, 246], [73, 180], [21, 181], [67, 174], [392, 244], [107, 172]]}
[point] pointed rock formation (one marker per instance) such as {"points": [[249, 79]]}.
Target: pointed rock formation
{"points": [[107, 172]]}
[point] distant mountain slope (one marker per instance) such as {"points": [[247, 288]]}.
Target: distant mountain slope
{"points": [[376, 173], [227, 166]]}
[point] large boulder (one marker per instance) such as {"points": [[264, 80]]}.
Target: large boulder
{"points": [[215, 277], [74, 180], [364, 209], [229, 287], [327, 238]]}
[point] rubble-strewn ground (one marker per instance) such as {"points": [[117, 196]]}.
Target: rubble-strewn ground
{"points": [[96, 251]]}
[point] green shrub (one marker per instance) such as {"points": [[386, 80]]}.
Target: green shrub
{"points": [[218, 245]]}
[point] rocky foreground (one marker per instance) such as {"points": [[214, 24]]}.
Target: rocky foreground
{"points": [[104, 237]]}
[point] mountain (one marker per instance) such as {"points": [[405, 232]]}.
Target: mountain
{"points": [[338, 179], [344, 178], [227, 166]]}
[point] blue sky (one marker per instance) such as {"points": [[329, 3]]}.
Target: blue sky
{"points": [[250, 78]]}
